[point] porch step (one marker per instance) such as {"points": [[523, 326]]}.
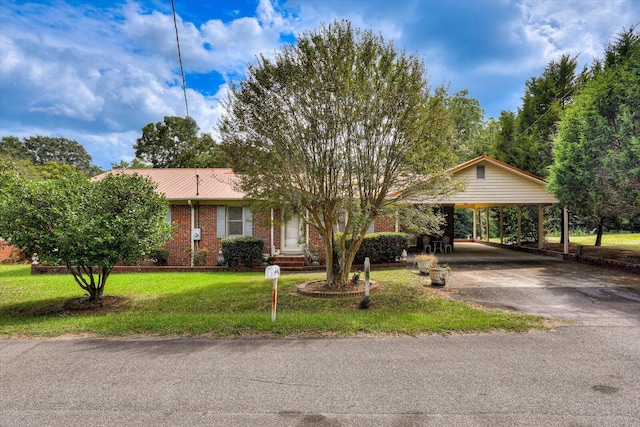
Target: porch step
{"points": [[289, 261]]}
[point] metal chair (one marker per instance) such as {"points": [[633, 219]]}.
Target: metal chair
{"points": [[426, 244], [446, 244]]}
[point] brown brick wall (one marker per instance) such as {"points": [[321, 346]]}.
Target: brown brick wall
{"points": [[261, 228], [384, 225], [5, 250], [179, 245]]}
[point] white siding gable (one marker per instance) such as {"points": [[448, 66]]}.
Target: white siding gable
{"points": [[500, 186]]}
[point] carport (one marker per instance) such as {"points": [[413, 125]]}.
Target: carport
{"points": [[491, 183]]}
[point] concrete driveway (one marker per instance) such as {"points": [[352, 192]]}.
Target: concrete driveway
{"points": [[533, 284]]}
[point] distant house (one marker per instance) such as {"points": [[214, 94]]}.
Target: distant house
{"points": [[205, 208], [5, 250]]}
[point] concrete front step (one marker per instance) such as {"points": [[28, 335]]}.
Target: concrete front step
{"points": [[288, 261]]}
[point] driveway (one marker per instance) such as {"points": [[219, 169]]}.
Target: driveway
{"points": [[534, 284]]}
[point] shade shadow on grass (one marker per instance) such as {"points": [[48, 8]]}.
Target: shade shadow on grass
{"points": [[234, 304]]}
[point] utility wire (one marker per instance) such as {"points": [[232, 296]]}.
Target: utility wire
{"points": [[184, 84]]}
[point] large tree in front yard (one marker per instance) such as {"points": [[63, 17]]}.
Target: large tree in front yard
{"points": [[88, 226], [334, 125]]}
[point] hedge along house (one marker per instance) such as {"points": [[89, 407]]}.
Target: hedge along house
{"points": [[204, 208], [491, 183]]}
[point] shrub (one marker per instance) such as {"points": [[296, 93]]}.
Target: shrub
{"points": [[160, 256], [382, 248], [246, 249], [200, 257]]}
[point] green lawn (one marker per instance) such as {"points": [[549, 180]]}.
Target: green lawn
{"points": [[629, 242], [236, 304]]}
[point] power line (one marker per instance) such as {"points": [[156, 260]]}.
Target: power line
{"points": [[184, 84]]}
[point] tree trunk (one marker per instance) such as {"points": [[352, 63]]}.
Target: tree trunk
{"points": [[599, 233], [95, 290], [338, 264], [337, 274], [95, 293]]}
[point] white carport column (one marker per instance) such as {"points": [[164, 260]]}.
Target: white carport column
{"points": [[475, 224], [501, 224], [565, 214], [519, 225], [488, 223], [540, 227]]}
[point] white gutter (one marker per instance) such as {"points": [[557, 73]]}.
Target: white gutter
{"points": [[273, 247], [193, 224]]}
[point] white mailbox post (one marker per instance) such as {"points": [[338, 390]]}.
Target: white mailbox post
{"points": [[273, 272]]}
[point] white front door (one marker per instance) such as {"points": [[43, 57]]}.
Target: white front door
{"points": [[292, 236]]}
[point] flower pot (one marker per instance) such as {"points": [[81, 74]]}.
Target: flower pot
{"points": [[423, 266], [439, 276]]}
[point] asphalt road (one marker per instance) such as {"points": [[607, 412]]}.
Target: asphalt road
{"points": [[575, 376], [585, 373]]}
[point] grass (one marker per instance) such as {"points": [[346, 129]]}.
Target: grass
{"points": [[234, 305], [629, 241]]}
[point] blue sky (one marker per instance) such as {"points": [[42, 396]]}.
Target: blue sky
{"points": [[97, 72]]}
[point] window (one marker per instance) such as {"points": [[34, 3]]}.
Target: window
{"points": [[342, 221], [168, 217], [235, 221], [480, 172]]}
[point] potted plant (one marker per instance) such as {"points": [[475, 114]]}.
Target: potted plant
{"points": [[424, 261], [439, 273]]}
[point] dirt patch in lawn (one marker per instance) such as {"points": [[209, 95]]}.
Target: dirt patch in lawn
{"points": [[85, 304]]}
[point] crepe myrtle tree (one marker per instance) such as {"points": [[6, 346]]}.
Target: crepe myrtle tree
{"points": [[339, 124], [87, 225]]}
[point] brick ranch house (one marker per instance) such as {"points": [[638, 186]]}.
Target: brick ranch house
{"points": [[204, 209]]}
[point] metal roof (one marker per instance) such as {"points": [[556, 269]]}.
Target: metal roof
{"points": [[189, 184]]}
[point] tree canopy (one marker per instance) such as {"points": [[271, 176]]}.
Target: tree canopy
{"points": [[176, 143], [596, 172], [468, 141], [46, 150], [334, 125], [88, 226], [525, 139]]}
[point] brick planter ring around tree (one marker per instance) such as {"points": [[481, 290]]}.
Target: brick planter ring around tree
{"points": [[310, 289]]}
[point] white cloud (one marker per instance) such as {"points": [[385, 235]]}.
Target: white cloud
{"points": [[574, 27], [99, 74]]}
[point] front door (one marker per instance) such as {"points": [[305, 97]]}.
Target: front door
{"points": [[292, 235]]}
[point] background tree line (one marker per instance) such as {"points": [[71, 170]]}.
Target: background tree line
{"points": [[579, 130]]}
